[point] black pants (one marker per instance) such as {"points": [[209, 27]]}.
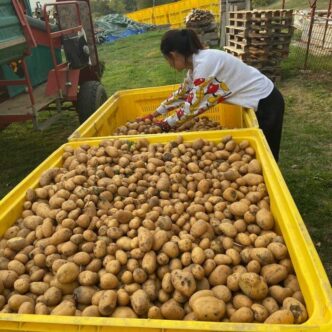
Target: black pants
{"points": [[270, 113]]}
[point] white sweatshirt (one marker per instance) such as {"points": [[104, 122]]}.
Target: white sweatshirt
{"points": [[216, 77]]}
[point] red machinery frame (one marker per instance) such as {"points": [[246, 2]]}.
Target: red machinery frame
{"points": [[62, 82], [31, 42]]}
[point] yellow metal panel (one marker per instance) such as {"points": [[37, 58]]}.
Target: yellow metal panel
{"points": [[174, 13], [127, 105], [310, 272]]}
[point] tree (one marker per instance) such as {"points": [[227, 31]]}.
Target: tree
{"points": [[100, 7], [130, 5], [117, 6]]}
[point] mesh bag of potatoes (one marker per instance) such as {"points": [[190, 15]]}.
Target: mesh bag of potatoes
{"points": [[177, 231], [148, 127]]}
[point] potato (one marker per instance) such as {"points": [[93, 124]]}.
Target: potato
{"points": [[209, 308], [48, 176], [242, 315], [280, 293], [198, 228], [166, 283], [255, 167], [160, 237], [292, 283], [52, 296], [198, 255], [145, 239], [297, 309], [107, 302], [21, 285], [42, 309], [222, 292], [68, 273], [260, 312], [84, 294], [109, 281], [299, 296], [65, 308], [155, 313], [264, 219], [253, 286], [16, 266], [171, 249], [88, 278], [263, 255], [280, 317], [270, 304], [238, 209], [123, 312], [31, 222], [279, 250], [233, 281], [16, 300], [18, 243], [190, 316], [149, 262], [39, 288], [140, 302], [219, 275], [26, 308], [234, 255], [123, 216], [183, 281], [274, 273], [91, 311], [228, 229], [252, 179], [196, 295], [172, 310], [163, 184]]}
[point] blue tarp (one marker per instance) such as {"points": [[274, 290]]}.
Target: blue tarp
{"points": [[115, 26]]}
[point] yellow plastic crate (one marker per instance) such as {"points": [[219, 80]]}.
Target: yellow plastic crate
{"points": [[127, 105], [310, 272]]}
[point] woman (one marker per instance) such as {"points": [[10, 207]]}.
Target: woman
{"points": [[214, 77]]}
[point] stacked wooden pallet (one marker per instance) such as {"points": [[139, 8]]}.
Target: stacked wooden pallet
{"points": [[203, 23], [260, 38]]}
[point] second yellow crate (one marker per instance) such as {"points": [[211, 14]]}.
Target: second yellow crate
{"points": [[127, 105]]}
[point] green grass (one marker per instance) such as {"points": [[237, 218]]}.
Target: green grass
{"points": [[306, 153], [296, 59], [136, 62]]}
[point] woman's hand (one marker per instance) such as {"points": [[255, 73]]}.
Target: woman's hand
{"points": [[146, 117], [149, 117], [164, 126]]}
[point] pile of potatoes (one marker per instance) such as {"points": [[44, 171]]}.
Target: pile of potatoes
{"points": [[148, 127], [164, 231]]}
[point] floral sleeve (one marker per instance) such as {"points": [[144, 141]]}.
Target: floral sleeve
{"points": [[207, 92], [177, 98]]}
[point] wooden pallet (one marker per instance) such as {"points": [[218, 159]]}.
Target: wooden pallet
{"points": [[259, 33], [259, 25], [257, 55], [265, 48], [261, 14], [258, 41], [258, 63]]}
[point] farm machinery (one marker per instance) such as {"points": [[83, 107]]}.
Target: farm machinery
{"points": [[49, 63]]}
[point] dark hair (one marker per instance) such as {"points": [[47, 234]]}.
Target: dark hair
{"points": [[185, 42]]}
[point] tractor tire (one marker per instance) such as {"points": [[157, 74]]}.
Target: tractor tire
{"points": [[90, 97]]}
